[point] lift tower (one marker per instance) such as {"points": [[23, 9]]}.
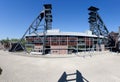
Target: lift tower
{"points": [[97, 26], [36, 27], [48, 23]]}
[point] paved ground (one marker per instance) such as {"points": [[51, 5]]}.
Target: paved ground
{"points": [[94, 67]]}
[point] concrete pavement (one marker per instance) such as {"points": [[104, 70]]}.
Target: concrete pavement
{"points": [[95, 67]]}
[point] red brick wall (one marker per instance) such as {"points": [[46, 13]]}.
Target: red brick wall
{"points": [[59, 50]]}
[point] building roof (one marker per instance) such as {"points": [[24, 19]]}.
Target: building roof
{"points": [[57, 32]]}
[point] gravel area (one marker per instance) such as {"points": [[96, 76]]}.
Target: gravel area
{"points": [[93, 66]]}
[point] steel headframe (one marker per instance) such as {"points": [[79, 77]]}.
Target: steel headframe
{"points": [[48, 23], [35, 27], [97, 26]]}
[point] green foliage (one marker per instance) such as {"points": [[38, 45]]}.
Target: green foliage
{"points": [[13, 40], [23, 42], [5, 40]]}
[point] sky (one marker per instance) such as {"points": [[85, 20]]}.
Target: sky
{"points": [[68, 15]]}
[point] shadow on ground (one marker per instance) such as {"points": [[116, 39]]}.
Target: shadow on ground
{"points": [[78, 78], [0, 70]]}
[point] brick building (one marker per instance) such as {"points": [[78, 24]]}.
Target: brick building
{"points": [[58, 42]]}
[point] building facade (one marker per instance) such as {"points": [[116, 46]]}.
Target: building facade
{"points": [[57, 42]]}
